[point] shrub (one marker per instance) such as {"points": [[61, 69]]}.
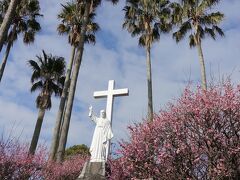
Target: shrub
{"points": [[17, 164], [80, 149], [70, 169], [197, 137]]}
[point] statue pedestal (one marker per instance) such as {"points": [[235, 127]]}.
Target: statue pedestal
{"points": [[93, 171]]}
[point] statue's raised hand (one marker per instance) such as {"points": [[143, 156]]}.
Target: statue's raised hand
{"points": [[90, 111]]}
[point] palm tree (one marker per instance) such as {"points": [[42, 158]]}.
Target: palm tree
{"points": [[24, 22], [48, 78], [70, 16], [193, 17], [147, 19], [89, 7], [6, 20]]}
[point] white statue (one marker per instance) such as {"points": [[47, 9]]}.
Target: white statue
{"points": [[101, 137]]}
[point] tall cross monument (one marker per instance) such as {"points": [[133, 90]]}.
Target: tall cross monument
{"points": [[110, 94]]}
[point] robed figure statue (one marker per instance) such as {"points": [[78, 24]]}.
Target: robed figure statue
{"points": [[102, 135]]}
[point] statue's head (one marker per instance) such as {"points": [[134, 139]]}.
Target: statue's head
{"points": [[103, 114]]}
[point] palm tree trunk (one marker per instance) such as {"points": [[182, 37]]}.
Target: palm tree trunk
{"points": [[78, 60], [36, 133], [202, 65], [57, 129], [9, 46], [7, 21], [4, 62], [149, 85]]}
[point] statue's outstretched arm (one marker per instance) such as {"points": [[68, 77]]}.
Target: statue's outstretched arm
{"points": [[91, 115]]}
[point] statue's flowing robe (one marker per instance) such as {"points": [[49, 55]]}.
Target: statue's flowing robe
{"points": [[100, 141]]}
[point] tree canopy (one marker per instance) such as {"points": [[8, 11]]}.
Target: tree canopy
{"points": [[81, 149]]}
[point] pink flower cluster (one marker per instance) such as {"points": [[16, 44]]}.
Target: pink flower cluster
{"points": [[197, 137], [70, 169], [17, 164]]}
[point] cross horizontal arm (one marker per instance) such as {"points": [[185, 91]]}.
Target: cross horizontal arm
{"points": [[100, 94], [121, 92]]}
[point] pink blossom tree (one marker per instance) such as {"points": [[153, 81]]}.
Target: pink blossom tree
{"points": [[17, 164], [196, 137], [69, 169]]}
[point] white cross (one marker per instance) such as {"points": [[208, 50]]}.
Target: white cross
{"points": [[110, 94]]}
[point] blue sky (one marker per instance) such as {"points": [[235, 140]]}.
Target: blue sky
{"points": [[117, 56]]}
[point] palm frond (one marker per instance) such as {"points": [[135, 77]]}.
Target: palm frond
{"points": [[61, 81], [165, 27], [58, 65], [22, 26], [45, 58], [29, 37], [71, 17], [33, 25], [142, 41], [177, 13], [90, 38], [34, 65], [207, 4], [37, 86], [183, 30], [192, 42], [177, 36], [212, 19], [198, 18], [210, 32], [92, 27], [200, 33], [62, 29], [147, 19], [218, 30], [47, 77], [26, 19], [55, 88], [155, 35]]}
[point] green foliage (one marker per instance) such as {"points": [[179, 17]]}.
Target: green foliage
{"points": [[147, 19], [71, 18], [77, 150], [193, 17], [48, 77], [25, 20]]}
